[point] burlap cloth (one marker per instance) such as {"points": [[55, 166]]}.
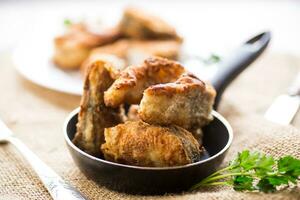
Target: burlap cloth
{"points": [[36, 116]]}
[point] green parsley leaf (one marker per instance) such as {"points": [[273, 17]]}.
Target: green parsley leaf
{"points": [[248, 160], [289, 165], [212, 59], [264, 165], [278, 180], [241, 183], [67, 22], [264, 185]]}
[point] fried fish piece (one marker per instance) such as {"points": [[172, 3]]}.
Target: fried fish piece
{"points": [[136, 23], [133, 52], [188, 103], [129, 87], [198, 134], [72, 48], [117, 64], [132, 114], [118, 48], [141, 144], [94, 116], [141, 49]]}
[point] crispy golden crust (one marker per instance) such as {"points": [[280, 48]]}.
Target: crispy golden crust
{"points": [[113, 63], [139, 24], [129, 87], [187, 103], [118, 50], [72, 48], [94, 116], [141, 144], [132, 114]]}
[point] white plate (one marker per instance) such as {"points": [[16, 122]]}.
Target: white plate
{"points": [[33, 59]]}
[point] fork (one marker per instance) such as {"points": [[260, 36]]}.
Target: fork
{"points": [[56, 186]]}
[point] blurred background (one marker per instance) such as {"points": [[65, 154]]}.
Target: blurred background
{"points": [[207, 26]]}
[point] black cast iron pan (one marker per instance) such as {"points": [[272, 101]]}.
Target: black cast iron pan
{"points": [[218, 136]]}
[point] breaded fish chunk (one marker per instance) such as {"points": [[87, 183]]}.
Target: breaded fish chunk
{"points": [[188, 103], [141, 144], [118, 48], [129, 87], [132, 114], [136, 23], [72, 48], [141, 49], [94, 116], [136, 51], [113, 62]]}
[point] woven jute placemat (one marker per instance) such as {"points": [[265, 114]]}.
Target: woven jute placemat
{"points": [[36, 115]]}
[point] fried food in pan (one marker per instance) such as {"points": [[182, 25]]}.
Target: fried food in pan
{"points": [[188, 103], [141, 144], [94, 116], [129, 87], [136, 23], [72, 48]]}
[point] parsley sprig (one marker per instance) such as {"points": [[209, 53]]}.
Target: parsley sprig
{"points": [[256, 172]]}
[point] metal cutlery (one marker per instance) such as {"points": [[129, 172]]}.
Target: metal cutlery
{"points": [[285, 107], [57, 187]]}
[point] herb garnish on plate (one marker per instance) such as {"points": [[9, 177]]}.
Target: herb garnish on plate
{"points": [[68, 22], [212, 59]]}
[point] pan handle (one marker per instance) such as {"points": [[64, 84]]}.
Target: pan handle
{"points": [[231, 67]]}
